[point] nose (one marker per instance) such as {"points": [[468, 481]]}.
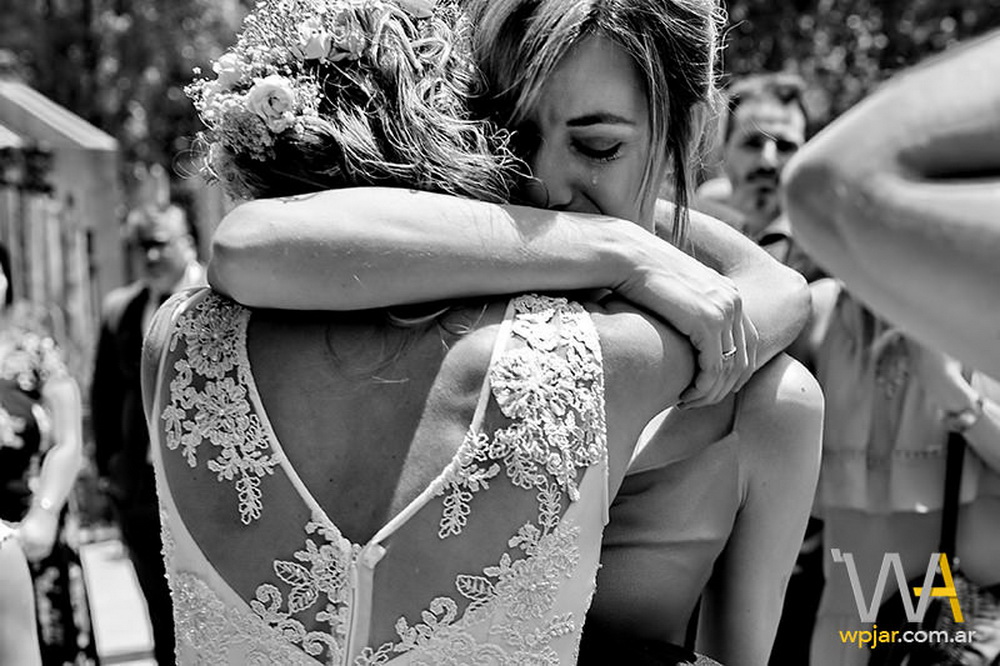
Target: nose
{"points": [[769, 154], [552, 185]]}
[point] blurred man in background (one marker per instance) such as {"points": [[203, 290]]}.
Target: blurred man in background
{"points": [[167, 263], [767, 123]]}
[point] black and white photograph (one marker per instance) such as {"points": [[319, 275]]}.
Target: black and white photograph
{"points": [[499, 332]]}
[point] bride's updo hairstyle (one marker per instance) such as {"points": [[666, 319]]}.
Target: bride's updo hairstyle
{"points": [[323, 94]]}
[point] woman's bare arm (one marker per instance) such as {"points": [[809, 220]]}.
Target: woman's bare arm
{"points": [[373, 247], [782, 422], [60, 467], [899, 199]]}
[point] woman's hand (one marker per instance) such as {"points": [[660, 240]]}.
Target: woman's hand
{"points": [[942, 379], [704, 306], [37, 533]]}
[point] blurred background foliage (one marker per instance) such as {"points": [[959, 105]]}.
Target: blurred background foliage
{"points": [[845, 48], [122, 64]]}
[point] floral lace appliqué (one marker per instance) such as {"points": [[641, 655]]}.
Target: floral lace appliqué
{"points": [[208, 401], [320, 575], [552, 388], [214, 631], [515, 597]]}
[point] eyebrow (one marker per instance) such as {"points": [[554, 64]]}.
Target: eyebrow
{"points": [[600, 118]]}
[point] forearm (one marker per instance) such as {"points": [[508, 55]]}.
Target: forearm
{"points": [[373, 247], [58, 474], [62, 462]]}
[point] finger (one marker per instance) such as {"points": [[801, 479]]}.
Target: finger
{"points": [[710, 396], [752, 347], [733, 361], [713, 392], [733, 355], [709, 369], [705, 381], [737, 365]]}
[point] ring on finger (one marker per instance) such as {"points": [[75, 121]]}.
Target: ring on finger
{"points": [[729, 354]]}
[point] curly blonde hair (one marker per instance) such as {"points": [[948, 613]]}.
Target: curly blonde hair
{"points": [[323, 94]]}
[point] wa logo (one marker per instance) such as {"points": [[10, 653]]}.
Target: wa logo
{"points": [[891, 561]]}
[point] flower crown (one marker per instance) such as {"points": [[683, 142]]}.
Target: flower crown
{"points": [[271, 82]]}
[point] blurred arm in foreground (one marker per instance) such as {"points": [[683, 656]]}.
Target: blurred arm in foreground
{"points": [[900, 199]]}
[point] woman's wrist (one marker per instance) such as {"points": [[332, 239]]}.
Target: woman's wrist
{"points": [[963, 420], [619, 245], [45, 504]]}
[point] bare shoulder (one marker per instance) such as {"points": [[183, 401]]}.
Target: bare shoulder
{"points": [[644, 357], [782, 398]]}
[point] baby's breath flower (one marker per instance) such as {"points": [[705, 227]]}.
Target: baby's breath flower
{"points": [[228, 70], [289, 57]]}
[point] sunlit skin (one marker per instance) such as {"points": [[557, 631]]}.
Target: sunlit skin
{"points": [[588, 135], [765, 135]]}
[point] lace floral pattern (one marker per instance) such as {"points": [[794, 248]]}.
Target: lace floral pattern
{"points": [[320, 575], [553, 390], [209, 402], [215, 631], [515, 598], [548, 383]]}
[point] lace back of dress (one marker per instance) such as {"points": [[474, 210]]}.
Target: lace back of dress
{"points": [[525, 606]]}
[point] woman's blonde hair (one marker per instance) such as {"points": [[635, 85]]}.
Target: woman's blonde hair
{"points": [[674, 44], [323, 94]]}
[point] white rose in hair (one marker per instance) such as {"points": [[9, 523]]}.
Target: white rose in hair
{"points": [[228, 70], [272, 99]]}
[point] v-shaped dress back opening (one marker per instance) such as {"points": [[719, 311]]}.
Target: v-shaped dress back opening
{"points": [[541, 477]]}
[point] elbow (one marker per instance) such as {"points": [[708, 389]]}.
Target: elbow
{"points": [[820, 200], [799, 299], [809, 186], [234, 268]]}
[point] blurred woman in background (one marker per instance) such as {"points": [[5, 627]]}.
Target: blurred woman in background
{"points": [[40, 457]]}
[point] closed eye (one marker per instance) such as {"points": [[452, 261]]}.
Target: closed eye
{"points": [[600, 154]]}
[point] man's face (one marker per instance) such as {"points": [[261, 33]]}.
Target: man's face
{"points": [[164, 250], [765, 135]]}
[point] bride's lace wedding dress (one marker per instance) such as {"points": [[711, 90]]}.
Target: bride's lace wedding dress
{"points": [[525, 499]]}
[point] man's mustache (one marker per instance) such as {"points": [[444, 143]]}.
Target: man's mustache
{"points": [[769, 177]]}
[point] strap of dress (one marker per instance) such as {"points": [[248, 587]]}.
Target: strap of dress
{"points": [[373, 551], [477, 419], [498, 347]]}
